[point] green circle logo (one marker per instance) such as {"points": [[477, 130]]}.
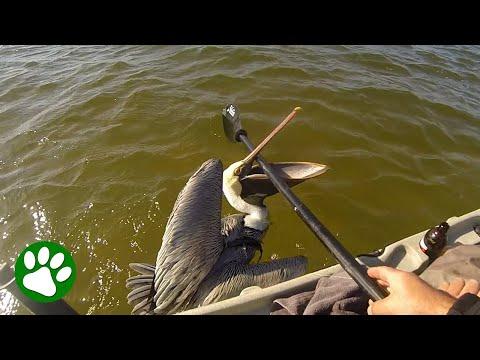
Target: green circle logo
{"points": [[45, 271]]}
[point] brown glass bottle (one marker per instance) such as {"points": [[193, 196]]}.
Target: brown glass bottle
{"points": [[434, 241]]}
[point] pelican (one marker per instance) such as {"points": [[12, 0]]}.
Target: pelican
{"points": [[204, 258]]}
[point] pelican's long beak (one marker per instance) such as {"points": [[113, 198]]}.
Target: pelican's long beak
{"points": [[256, 186], [250, 157]]}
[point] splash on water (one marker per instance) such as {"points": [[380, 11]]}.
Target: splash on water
{"points": [[41, 225], [8, 303]]}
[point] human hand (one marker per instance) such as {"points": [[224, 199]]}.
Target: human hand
{"points": [[409, 295], [458, 287]]}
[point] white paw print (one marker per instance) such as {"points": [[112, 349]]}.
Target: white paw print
{"points": [[41, 281]]}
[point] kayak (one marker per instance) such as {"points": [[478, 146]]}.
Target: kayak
{"points": [[404, 254]]}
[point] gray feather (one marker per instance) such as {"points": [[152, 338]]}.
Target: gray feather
{"points": [[192, 241], [142, 294], [135, 281], [145, 269], [142, 306], [236, 276]]}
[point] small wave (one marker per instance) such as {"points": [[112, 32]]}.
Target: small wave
{"points": [[435, 70], [378, 63], [281, 72], [31, 64], [222, 83], [47, 87], [119, 66], [245, 56]]}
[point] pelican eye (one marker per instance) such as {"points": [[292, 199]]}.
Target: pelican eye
{"points": [[238, 171]]}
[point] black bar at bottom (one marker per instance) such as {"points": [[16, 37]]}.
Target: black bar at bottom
{"points": [[357, 271]]}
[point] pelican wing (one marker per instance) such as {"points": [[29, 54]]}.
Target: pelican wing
{"points": [[192, 241], [237, 276]]}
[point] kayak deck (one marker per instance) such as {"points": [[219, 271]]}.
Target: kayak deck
{"points": [[404, 255]]}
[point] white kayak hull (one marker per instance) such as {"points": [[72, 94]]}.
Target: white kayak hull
{"points": [[404, 254]]}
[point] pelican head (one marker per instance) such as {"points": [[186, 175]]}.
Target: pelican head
{"points": [[231, 175], [249, 199], [257, 215], [233, 172]]}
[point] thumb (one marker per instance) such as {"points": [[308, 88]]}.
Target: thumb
{"points": [[378, 307], [369, 309]]}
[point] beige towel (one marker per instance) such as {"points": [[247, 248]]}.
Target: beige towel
{"points": [[459, 261], [340, 295]]}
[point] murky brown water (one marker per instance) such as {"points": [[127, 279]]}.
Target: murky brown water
{"points": [[97, 141]]}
